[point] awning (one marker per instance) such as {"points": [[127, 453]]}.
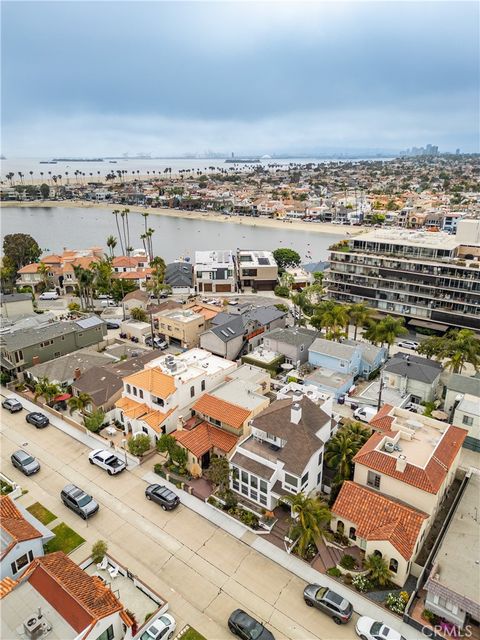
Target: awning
{"points": [[64, 396], [428, 325]]}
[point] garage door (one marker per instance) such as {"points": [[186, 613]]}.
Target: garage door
{"points": [[219, 288]]}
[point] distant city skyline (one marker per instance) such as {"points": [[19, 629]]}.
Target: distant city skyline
{"points": [[171, 78]]}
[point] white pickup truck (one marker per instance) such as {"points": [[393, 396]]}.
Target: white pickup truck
{"points": [[107, 460]]}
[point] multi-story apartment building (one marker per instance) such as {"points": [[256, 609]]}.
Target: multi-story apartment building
{"points": [[182, 327], [215, 272], [424, 276], [256, 269]]}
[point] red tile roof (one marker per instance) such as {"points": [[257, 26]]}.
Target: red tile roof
{"points": [[222, 410], [204, 437], [377, 517], [382, 421], [6, 585], [429, 478], [79, 598], [13, 522]]}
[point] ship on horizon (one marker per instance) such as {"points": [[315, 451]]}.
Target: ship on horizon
{"points": [[233, 160]]}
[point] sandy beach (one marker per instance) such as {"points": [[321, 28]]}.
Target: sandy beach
{"points": [[313, 227]]}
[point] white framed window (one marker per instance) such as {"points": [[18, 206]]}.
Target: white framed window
{"points": [[467, 420]]}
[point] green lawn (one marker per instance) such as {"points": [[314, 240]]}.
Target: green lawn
{"points": [[41, 513], [65, 540], [191, 634]]}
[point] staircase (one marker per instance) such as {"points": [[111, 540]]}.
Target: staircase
{"points": [[326, 558], [279, 531]]}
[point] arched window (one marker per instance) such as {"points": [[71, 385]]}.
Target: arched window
{"points": [[352, 534], [377, 553], [340, 527], [393, 565]]}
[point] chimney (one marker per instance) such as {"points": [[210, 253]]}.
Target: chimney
{"points": [[295, 413], [401, 463], [35, 360], [180, 423], [77, 373]]}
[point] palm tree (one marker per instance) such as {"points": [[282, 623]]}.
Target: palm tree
{"points": [[115, 213], [47, 390], [80, 403], [359, 313], [111, 244], [378, 570], [333, 317], [390, 328], [359, 431], [459, 347], [124, 215], [339, 453], [137, 313], [43, 270], [312, 517], [371, 332]]}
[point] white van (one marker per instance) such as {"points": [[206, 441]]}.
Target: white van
{"points": [[49, 295], [365, 414]]}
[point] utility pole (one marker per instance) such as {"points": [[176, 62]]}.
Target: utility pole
{"points": [[380, 393]]}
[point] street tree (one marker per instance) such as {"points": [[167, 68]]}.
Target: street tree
{"points": [[286, 258], [20, 249]]}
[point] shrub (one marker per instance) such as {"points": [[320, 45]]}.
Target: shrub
{"points": [[361, 583], [99, 550], [348, 578], [94, 421], [405, 596], [249, 518], [230, 500], [429, 616], [347, 562], [214, 502], [334, 572], [281, 291], [158, 468], [5, 488], [395, 603], [139, 444], [147, 616], [281, 307], [4, 378]]}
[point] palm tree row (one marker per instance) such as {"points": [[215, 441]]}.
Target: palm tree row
{"points": [[124, 231], [459, 348]]}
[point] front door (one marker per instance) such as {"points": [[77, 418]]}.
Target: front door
{"points": [[205, 461]]}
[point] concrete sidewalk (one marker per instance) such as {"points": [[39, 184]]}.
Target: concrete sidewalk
{"points": [[89, 440], [362, 605]]}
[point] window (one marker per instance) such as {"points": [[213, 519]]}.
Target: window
{"points": [[254, 482], [302, 348], [22, 562], [320, 458], [291, 480], [140, 393], [202, 385], [244, 476], [468, 420], [340, 528], [393, 566], [305, 479], [253, 495], [270, 436], [129, 389], [319, 478], [145, 430], [263, 499], [377, 553], [263, 486], [134, 391], [244, 489], [107, 634], [352, 534], [215, 422], [373, 480], [192, 391]]}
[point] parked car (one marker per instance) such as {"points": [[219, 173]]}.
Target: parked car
{"points": [[49, 295], [369, 629], [12, 405], [162, 629], [244, 626], [112, 325], [364, 414], [108, 303], [326, 600], [104, 296], [39, 420], [408, 344], [79, 501], [107, 460], [26, 463], [162, 496], [157, 343]]}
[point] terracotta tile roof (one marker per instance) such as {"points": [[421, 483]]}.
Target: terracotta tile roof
{"points": [[155, 419], [125, 261], [221, 410], [52, 259], [141, 274], [208, 314], [13, 522], [153, 380], [377, 517], [131, 408], [6, 585], [428, 479], [382, 421], [204, 437], [29, 268], [67, 587]]}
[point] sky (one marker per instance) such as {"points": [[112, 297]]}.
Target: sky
{"points": [[170, 78]]}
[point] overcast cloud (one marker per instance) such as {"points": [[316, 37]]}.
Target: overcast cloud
{"points": [[169, 78]]}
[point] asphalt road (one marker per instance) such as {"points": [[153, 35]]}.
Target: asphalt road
{"points": [[202, 571]]}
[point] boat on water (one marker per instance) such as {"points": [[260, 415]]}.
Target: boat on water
{"points": [[48, 162]]}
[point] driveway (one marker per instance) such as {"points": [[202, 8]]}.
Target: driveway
{"points": [[203, 572]]}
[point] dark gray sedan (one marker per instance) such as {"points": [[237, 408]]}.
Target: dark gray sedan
{"points": [[25, 462], [244, 626], [326, 600]]}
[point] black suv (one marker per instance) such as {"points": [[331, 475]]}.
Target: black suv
{"points": [[326, 600], [247, 628], [79, 501], [38, 419], [163, 496]]}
